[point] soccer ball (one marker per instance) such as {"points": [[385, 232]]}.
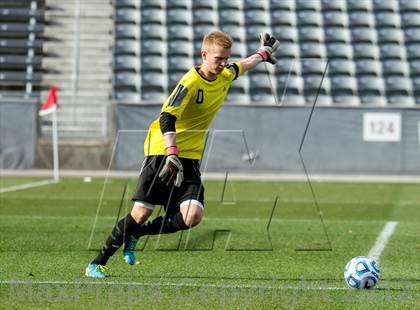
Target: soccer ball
{"points": [[362, 272]]}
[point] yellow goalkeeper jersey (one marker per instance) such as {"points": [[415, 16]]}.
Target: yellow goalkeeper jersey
{"points": [[194, 102]]}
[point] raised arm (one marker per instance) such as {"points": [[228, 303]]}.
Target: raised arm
{"points": [[268, 47]]}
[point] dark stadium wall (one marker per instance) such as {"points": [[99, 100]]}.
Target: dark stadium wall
{"points": [[267, 139]]}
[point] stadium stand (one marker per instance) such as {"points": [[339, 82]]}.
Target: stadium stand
{"points": [[368, 44], [21, 33]]}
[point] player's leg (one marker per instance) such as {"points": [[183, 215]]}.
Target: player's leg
{"points": [[140, 213], [119, 234]]}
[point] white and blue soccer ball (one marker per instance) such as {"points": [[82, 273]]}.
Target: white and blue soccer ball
{"points": [[362, 272]]}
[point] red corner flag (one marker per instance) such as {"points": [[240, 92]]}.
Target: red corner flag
{"points": [[50, 104]]}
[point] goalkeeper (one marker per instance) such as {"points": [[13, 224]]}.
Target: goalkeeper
{"points": [[170, 173]]}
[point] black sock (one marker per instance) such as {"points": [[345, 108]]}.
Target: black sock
{"points": [[160, 225], [115, 239]]}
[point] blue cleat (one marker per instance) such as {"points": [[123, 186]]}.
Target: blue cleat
{"points": [[95, 271], [128, 252]]}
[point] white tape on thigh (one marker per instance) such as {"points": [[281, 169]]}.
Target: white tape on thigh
{"points": [[189, 202], [143, 204]]}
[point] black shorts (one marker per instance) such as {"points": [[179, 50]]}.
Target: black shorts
{"points": [[152, 190]]}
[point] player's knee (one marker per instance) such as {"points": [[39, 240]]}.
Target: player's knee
{"points": [[193, 216], [141, 211], [192, 220]]}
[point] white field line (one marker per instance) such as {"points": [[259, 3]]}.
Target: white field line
{"points": [[26, 186], [382, 240], [173, 284]]}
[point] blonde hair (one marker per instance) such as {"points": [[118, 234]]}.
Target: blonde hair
{"points": [[217, 38]]}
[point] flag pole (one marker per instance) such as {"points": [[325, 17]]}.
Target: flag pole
{"points": [[55, 145]]}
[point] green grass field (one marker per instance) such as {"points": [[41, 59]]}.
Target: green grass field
{"points": [[227, 262]]}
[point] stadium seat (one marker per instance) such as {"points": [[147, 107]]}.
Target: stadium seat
{"points": [[308, 5], [154, 87], [180, 32], [412, 35], [16, 30], [335, 6], [413, 51], [309, 18], [336, 19], [126, 47], [127, 63], [19, 61], [180, 48], [346, 100], [15, 14], [153, 16], [153, 31], [252, 34], [152, 4], [179, 64], [311, 34], [364, 35], [313, 50], [151, 63], [201, 30], [127, 81], [260, 88], [286, 34], [128, 4], [321, 99], [415, 68], [341, 67], [205, 4], [256, 5], [237, 5], [416, 89], [19, 77], [205, 17], [374, 100], [288, 66], [289, 86], [239, 91], [360, 6], [123, 16], [395, 68], [409, 6], [238, 50], [283, 5], [393, 51], [283, 18], [173, 80], [231, 17], [315, 82], [19, 45], [410, 20], [371, 86], [257, 17], [179, 4], [388, 20], [337, 35], [339, 51], [153, 47], [127, 97], [385, 6], [343, 85], [391, 36], [289, 50], [365, 51], [314, 66], [126, 31], [178, 16], [236, 97], [236, 32], [398, 86], [408, 101], [369, 67], [361, 19]]}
